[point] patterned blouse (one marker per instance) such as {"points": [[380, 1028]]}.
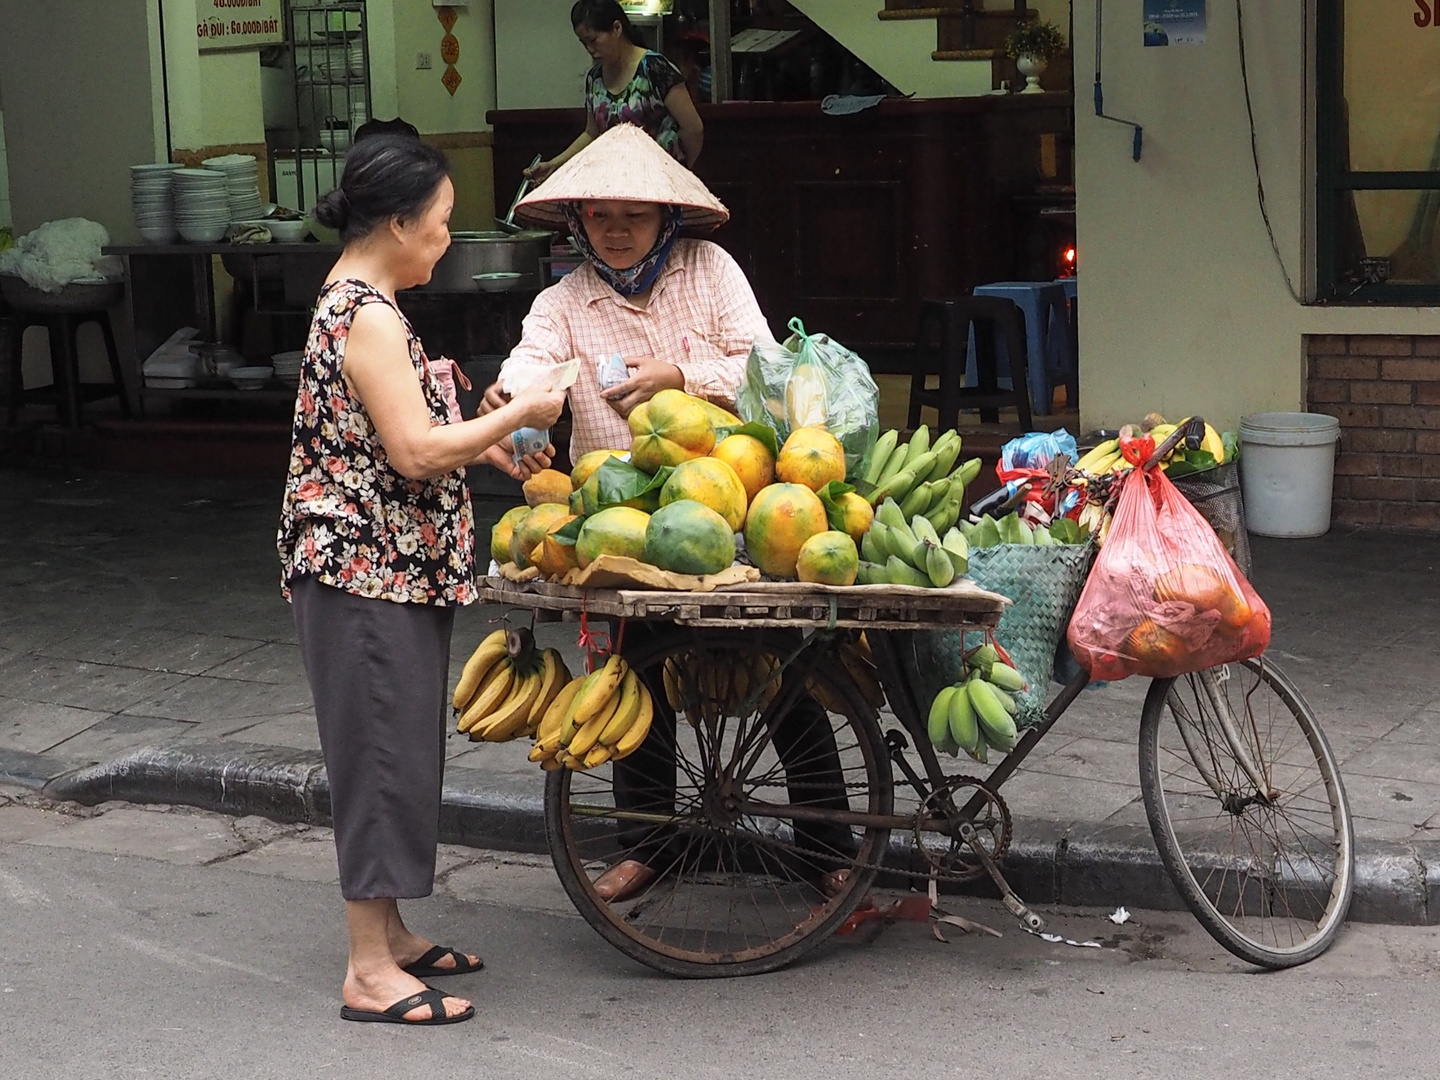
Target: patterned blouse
{"points": [[348, 517], [641, 102]]}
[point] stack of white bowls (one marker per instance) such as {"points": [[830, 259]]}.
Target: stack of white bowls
{"points": [[242, 184], [357, 59], [152, 201], [287, 366], [202, 205]]}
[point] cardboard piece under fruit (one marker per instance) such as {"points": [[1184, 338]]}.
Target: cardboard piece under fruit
{"points": [[619, 572]]}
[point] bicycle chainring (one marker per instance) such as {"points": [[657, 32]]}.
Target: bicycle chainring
{"points": [[937, 828]]}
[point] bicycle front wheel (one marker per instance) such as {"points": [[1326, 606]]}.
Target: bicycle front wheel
{"points": [[1249, 814]]}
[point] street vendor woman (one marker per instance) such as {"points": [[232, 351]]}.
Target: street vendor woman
{"points": [[678, 310], [683, 316]]}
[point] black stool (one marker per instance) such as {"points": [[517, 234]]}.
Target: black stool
{"points": [[989, 315], [61, 328]]}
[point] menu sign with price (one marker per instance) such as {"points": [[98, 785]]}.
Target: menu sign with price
{"points": [[238, 24]]}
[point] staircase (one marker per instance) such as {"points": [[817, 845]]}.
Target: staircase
{"points": [[965, 31], [967, 36]]}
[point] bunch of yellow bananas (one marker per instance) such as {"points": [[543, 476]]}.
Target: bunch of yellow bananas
{"points": [[859, 664], [704, 691], [1106, 457], [595, 718], [506, 687]]}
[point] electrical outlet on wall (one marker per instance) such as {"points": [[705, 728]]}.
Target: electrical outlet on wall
{"points": [[422, 61]]}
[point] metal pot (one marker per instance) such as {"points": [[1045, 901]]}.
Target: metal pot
{"points": [[78, 296], [472, 253]]}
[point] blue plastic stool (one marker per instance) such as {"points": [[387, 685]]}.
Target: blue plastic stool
{"points": [[1071, 368], [1047, 333]]}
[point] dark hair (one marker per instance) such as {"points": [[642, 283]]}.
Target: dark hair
{"points": [[373, 127], [386, 176], [601, 15]]}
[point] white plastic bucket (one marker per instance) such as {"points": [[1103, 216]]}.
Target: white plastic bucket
{"points": [[1287, 472]]}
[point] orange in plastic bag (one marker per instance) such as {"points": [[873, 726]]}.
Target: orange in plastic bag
{"points": [[1164, 597]]}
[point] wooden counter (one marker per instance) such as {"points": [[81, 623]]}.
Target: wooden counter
{"points": [[848, 221]]}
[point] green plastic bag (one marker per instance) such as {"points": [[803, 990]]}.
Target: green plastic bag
{"points": [[812, 381]]}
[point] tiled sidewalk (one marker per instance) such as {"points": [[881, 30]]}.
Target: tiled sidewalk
{"points": [[137, 611]]}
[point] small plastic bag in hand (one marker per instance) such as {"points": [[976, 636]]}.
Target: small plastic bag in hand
{"points": [[1164, 598]]}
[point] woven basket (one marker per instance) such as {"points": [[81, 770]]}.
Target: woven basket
{"points": [[1044, 584]]}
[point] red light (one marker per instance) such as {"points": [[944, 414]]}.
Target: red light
{"points": [[1070, 256]]}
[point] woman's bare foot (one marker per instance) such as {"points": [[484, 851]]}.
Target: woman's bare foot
{"points": [[378, 990], [406, 947], [624, 880]]}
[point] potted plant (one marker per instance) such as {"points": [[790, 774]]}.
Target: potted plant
{"points": [[1031, 45]]}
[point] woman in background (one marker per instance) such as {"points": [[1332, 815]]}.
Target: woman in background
{"points": [[629, 84]]}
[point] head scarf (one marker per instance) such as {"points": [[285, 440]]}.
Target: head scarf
{"points": [[642, 275]]}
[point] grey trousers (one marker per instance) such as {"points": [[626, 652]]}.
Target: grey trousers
{"points": [[378, 672]]}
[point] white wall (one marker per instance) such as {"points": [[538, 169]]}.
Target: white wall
{"points": [[73, 124], [1183, 308], [538, 62], [422, 98]]}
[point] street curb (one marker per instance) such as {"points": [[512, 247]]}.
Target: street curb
{"points": [[28, 770], [1085, 866]]}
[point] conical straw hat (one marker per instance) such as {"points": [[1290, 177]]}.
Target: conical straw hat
{"points": [[623, 163]]}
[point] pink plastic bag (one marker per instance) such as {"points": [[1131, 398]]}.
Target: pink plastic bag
{"points": [[1164, 598], [447, 373]]}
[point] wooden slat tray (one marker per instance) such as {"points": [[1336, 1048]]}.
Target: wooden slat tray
{"points": [[765, 603]]}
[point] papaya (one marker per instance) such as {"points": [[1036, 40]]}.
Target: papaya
{"points": [[687, 537], [829, 558], [531, 529], [751, 459], [669, 429], [710, 482], [781, 519], [620, 530], [502, 531], [810, 456]]}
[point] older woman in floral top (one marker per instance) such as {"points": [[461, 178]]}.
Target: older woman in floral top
{"points": [[376, 541]]}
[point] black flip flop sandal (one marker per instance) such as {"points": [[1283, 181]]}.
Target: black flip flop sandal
{"points": [[424, 968], [395, 1014]]}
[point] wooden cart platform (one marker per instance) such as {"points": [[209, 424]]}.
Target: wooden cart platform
{"points": [[763, 603]]}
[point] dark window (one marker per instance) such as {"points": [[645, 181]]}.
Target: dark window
{"points": [[1378, 150]]}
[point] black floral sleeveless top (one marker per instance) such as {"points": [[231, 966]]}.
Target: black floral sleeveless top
{"points": [[348, 517]]}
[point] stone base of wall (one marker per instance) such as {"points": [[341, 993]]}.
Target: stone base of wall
{"points": [[1385, 391]]}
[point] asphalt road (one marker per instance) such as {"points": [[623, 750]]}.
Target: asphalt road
{"points": [[169, 943]]}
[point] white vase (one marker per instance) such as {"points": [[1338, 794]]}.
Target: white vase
{"points": [[1032, 67]]}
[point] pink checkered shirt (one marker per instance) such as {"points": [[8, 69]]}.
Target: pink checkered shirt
{"points": [[702, 317]]}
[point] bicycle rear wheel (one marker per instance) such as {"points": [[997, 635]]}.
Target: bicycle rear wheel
{"points": [[734, 818], [1251, 822]]}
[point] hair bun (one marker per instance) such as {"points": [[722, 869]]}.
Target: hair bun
{"points": [[333, 210]]}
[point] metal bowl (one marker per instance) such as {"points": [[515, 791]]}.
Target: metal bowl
{"points": [[78, 296], [500, 281]]}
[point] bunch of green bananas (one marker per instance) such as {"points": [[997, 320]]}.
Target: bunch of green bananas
{"points": [[899, 552], [921, 478], [977, 714], [595, 718], [989, 532], [506, 687]]}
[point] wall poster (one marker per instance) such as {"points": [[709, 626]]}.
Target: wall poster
{"points": [[1174, 22], [238, 24]]}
